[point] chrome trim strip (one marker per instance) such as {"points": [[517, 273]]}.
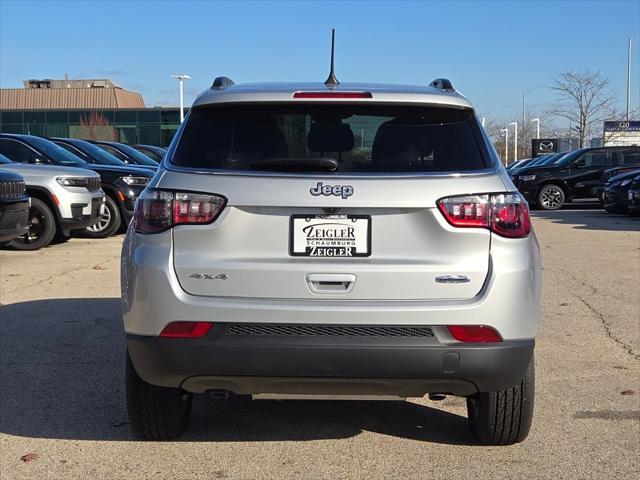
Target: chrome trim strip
{"points": [[453, 279]]}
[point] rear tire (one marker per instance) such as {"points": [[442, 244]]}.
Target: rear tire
{"points": [[109, 222], [42, 228], [551, 197], [504, 417], [155, 413]]}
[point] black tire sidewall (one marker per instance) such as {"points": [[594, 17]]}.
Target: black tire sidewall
{"points": [[155, 413], [546, 187], [114, 225], [49, 231], [504, 417]]}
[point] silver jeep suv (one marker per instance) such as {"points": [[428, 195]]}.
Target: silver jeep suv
{"points": [[63, 200], [344, 241]]}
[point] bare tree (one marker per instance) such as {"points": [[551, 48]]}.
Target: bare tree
{"points": [[97, 127], [526, 133], [584, 99]]}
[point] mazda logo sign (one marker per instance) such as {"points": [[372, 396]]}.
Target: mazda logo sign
{"points": [[546, 146]]}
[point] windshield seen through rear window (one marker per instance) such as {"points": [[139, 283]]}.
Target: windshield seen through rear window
{"points": [[337, 138]]}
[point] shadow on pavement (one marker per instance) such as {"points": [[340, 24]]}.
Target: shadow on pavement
{"points": [[588, 217], [62, 361]]}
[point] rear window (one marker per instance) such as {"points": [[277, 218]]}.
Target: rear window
{"points": [[335, 138]]}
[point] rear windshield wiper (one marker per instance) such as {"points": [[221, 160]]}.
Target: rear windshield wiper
{"points": [[296, 164]]}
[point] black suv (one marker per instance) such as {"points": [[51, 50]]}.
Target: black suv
{"points": [[127, 154], [151, 151], [14, 207], [121, 184], [577, 175]]}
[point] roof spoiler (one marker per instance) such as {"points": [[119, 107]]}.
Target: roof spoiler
{"points": [[442, 84], [221, 83]]}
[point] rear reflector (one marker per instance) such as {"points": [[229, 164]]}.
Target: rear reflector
{"points": [[332, 95], [474, 333], [186, 329], [506, 214]]}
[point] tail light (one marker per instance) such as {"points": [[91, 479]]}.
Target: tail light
{"points": [[186, 329], [474, 333], [159, 210], [505, 214]]}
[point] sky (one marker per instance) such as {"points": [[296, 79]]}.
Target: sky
{"points": [[492, 51]]}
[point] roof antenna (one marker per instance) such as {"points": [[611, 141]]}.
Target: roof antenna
{"points": [[332, 81]]}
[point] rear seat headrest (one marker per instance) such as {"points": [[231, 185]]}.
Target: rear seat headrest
{"points": [[330, 137]]}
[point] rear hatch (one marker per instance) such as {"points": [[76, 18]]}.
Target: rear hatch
{"points": [[331, 201]]}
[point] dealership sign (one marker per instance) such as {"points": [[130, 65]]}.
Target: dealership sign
{"points": [[622, 133], [623, 126], [544, 146]]}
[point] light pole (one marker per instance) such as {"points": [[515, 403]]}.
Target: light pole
{"points": [[506, 144], [515, 140], [181, 78], [524, 118], [629, 79], [524, 115], [537, 120]]}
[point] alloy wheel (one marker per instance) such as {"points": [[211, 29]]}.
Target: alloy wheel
{"points": [[37, 225], [551, 198], [103, 223]]}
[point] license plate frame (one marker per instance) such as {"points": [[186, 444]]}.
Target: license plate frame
{"points": [[348, 242]]}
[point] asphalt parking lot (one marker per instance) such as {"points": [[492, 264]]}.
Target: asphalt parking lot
{"points": [[62, 398]]}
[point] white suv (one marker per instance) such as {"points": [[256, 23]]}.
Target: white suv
{"points": [[314, 241], [63, 200]]}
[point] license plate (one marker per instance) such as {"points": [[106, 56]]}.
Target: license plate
{"points": [[330, 236]]}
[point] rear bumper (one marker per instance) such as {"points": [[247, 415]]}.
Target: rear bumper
{"points": [[326, 365]]}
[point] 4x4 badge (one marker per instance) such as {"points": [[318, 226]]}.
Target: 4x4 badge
{"points": [[344, 191], [209, 276]]}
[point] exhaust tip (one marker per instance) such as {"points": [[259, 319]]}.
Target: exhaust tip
{"points": [[437, 397], [218, 394]]}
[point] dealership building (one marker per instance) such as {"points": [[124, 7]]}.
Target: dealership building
{"points": [[93, 108]]}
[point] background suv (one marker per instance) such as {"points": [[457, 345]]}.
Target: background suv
{"points": [[305, 240], [14, 207], [121, 183], [616, 191], [63, 200], [151, 151], [127, 154], [576, 175]]}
